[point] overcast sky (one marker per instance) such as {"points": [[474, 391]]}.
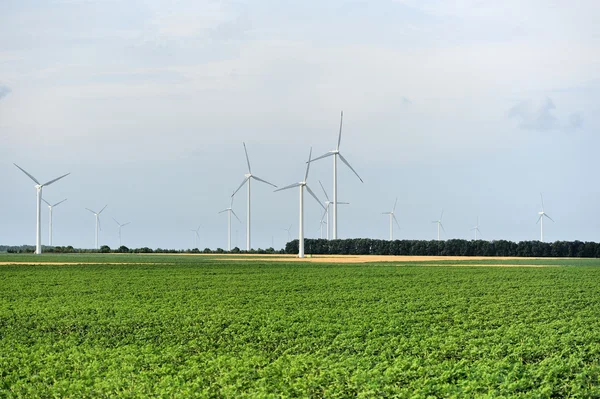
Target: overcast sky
{"points": [[474, 107]]}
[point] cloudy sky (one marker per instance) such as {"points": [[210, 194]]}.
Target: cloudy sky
{"points": [[474, 107]]}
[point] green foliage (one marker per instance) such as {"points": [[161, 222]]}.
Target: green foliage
{"points": [[199, 328]]}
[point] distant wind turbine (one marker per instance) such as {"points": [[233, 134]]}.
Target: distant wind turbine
{"points": [[229, 212], [302, 185], [120, 226], [439, 224], [50, 217], [328, 203], [196, 237], [335, 153], [541, 219], [392, 219], [247, 178], [476, 228], [288, 232], [38, 225], [98, 226]]}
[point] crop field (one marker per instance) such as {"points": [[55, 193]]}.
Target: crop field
{"points": [[215, 326]]}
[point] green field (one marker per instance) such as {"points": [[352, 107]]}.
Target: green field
{"points": [[186, 326]]}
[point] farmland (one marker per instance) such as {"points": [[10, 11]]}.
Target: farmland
{"points": [[209, 326]]}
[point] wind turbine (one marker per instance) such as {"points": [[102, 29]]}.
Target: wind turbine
{"points": [[302, 184], [196, 236], [229, 212], [289, 234], [439, 224], [38, 224], [50, 216], [392, 219], [335, 153], [120, 225], [541, 219], [247, 177], [476, 228], [97, 214], [328, 203]]}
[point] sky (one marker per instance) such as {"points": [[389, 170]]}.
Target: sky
{"points": [[473, 107]]}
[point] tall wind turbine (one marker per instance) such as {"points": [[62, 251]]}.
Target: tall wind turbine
{"points": [[120, 226], [328, 204], [439, 224], [541, 219], [50, 216], [392, 219], [335, 153], [196, 236], [302, 184], [38, 224], [476, 228], [98, 227], [229, 212], [247, 178]]}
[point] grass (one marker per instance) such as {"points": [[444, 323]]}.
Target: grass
{"points": [[191, 326]]}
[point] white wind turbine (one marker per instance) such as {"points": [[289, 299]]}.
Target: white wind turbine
{"points": [[196, 236], [229, 212], [289, 234], [247, 178], [328, 203], [439, 224], [120, 226], [541, 219], [302, 185], [392, 219], [38, 224], [335, 153], [50, 216], [476, 228], [98, 227]]}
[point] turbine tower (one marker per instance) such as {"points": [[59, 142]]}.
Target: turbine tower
{"points": [[541, 219], [439, 224], [50, 216], [196, 236], [247, 178], [328, 203], [98, 227], [476, 228], [229, 212], [392, 219], [38, 224], [302, 184], [335, 153], [120, 225]]}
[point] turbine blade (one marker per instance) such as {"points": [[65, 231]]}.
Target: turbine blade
{"points": [[343, 203], [324, 192], [545, 214], [442, 215], [23, 170], [328, 154], [387, 213], [442, 226], [308, 165], [247, 159], [224, 210], [52, 181], [58, 203], [102, 209], [47, 203], [395, 203], [539, 218], [351, 168], [125, 224], [264, 181], [236, 216], [241, 185], [91, 210], [116, 221], [396, 220], [314, 196], [340, 135], [542, 197], [286, 187]]}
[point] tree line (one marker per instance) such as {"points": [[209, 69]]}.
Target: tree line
{"points": [[367, 246]]}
